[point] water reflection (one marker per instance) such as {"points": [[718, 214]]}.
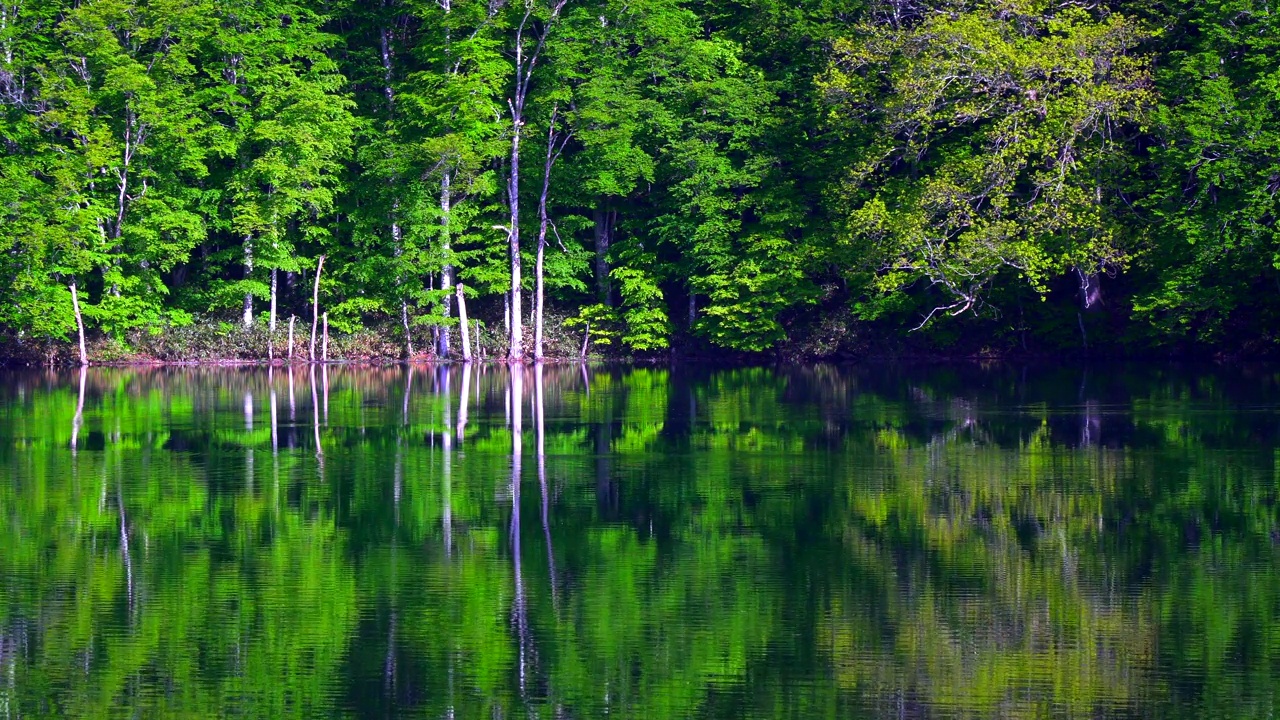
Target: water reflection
{"points": [[930, 542]]}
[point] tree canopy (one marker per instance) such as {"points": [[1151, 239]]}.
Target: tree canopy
{"points": [[744, 176]]}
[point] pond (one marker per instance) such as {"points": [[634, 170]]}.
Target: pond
{"points": [[574, 542]]}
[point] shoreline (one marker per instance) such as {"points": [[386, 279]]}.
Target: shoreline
{"points": [[374, 347], [671, 360]]}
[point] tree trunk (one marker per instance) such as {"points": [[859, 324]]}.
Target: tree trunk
{"points": [[462, 324], [446, 274], [291, 319], [515, 350], [109, 288], [315, 308], [538, 291], [1090, 289], [386, 70], [271, 324], [396, 234], [248, 274], [603, 235], [75, 305], [434, 341], [524, 65], [324, 352], [397, 237], [408, 338]]}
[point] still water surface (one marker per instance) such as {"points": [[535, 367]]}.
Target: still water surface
{"points": [[575, 543]]}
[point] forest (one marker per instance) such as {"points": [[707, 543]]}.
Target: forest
{"points": [[552, 178]]}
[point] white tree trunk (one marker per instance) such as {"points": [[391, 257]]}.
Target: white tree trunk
{"points": [[248, 274], [537, 306], [515, 350], [524, 65], [446, 274], [271, 324], [408, 337], [315, 308], [539, 292]]}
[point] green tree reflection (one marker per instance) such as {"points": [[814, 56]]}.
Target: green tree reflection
{"points": [[806, 543]]}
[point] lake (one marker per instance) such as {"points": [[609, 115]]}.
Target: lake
{"points": [[570, 542]]}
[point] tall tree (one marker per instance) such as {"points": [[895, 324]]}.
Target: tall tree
{"points": [[106, 125], [535, 25], [292, 127], [1215, 259], [991, 132], [457, 101]]}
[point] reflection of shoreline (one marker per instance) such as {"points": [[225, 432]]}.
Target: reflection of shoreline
{"points": [[778, 538], [1003, 407]]}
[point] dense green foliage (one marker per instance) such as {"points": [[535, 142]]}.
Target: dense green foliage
{"points": [[749, 175], [949, 543]]}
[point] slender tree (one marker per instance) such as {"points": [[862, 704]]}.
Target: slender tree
{"points": [[529, 41]]}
